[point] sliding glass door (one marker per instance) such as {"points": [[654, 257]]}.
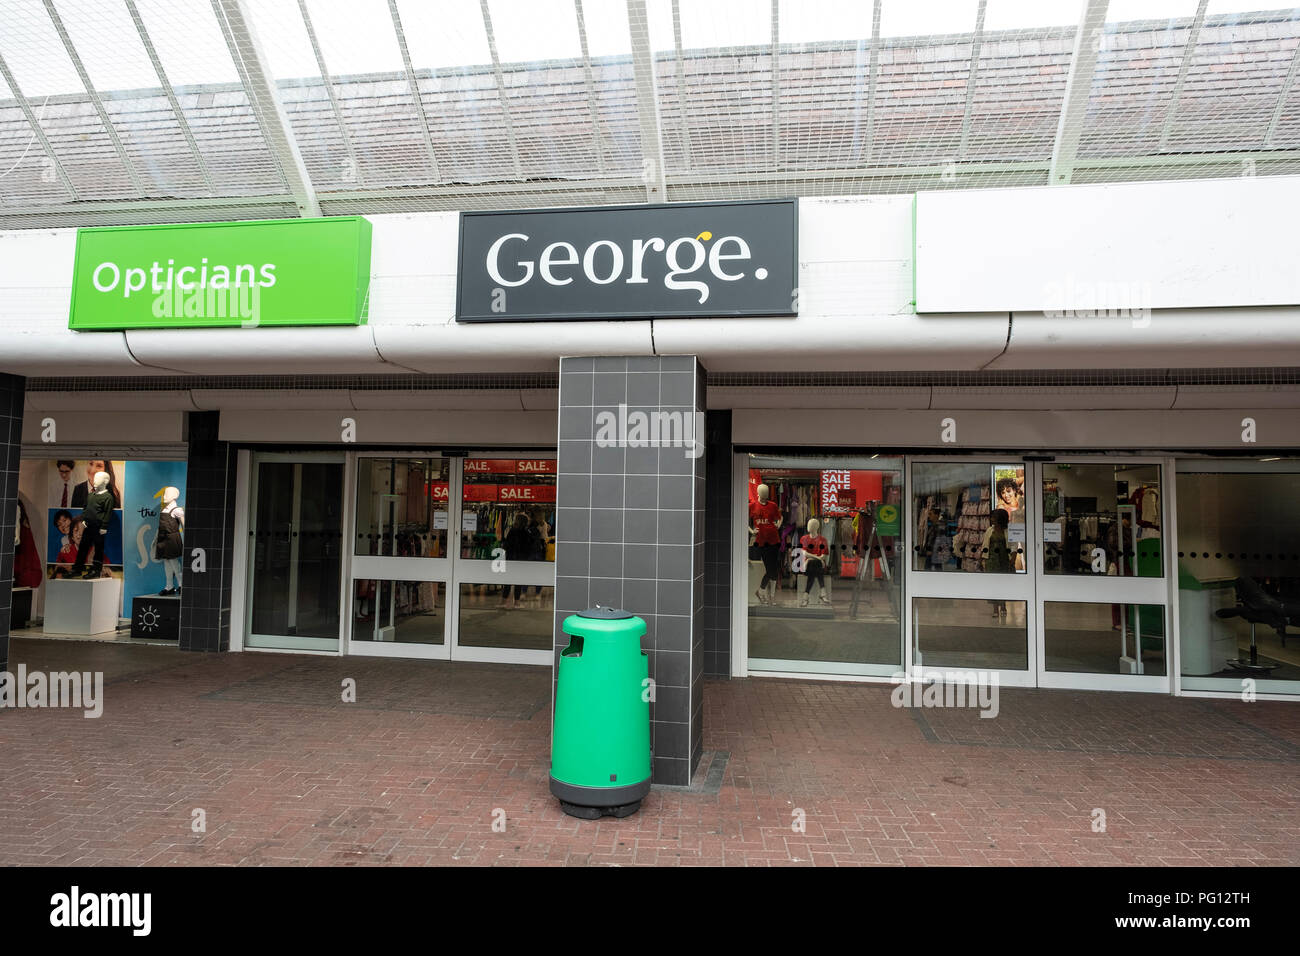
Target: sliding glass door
{"points": [[295, 552], [453, 557]]}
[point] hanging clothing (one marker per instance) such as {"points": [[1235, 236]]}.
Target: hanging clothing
{"points": [[28, 569]]}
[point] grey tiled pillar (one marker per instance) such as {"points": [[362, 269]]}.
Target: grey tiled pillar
{"points": [[630, 530], [210, 525], [12, 391]]}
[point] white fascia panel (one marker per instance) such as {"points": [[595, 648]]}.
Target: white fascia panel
{"points": [[1176, 338], [64, 352], [856, 343], [1169, 245], [258, 351], [35, 293], [507, 347]]}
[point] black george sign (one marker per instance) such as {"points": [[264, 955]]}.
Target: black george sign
{"points": [[629, 262]]}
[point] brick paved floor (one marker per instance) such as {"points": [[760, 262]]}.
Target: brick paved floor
{"points": [[412, 772]]}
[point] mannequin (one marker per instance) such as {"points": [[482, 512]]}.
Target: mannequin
{"points": [[98, 510], [764, 520], [816, 551], [168, 545]]}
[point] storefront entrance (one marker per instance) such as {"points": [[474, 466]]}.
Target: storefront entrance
{"points": [[450, 557], [1049, 572]]}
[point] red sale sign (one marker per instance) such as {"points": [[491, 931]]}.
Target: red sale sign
{"points": [[844, 491], [535, 466], [509, 493], [490, 466], [526, 493]]}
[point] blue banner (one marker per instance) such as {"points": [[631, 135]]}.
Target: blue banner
{"points": [[145, 481]]}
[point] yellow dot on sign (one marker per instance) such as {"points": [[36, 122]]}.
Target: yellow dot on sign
{"points": [[888, 513], [705, 235]]}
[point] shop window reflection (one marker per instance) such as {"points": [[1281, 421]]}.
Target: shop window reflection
{"points": [[1102, 519], [402, 612], [824, 585], [402, 507], [508, 509], [1239, 578], [970, 633], [517, 616], [970, 517]]}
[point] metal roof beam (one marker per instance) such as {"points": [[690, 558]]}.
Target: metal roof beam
{"points": [[414, 85], [1078, 85], [1281, 97], [95, 101], [975, 42], [39, 133], [501, 89], [873, 71], [1193, 38], [647, 103], [681, 84], [264, 97], [328, 82], [171, 95], [776, 83], [596, 149], [882, 180]]}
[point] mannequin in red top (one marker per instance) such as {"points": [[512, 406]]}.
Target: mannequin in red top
{"points": [[816, 551], [764, 520]]}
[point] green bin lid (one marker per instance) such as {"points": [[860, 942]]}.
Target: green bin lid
{"points": [[606, 613]]}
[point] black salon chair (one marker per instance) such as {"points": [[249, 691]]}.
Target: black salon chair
{"points": [[1256, 606]]}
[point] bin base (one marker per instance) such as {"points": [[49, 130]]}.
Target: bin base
{"points": [[595, 813], [592, 803]]}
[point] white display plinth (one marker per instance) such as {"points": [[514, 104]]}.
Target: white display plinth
{"points": [[82, 606], [1206, 640]]}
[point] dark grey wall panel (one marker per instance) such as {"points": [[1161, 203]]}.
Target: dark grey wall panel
{"points": [[717, 547], [210, 525]]}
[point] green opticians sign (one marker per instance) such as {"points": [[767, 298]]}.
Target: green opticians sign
{"points": [[222, 274]]}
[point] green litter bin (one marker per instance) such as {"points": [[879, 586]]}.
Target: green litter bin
{"points": [[600, 744]]}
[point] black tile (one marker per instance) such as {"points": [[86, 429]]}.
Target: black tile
{"points": [[672, 668], [671, 772]]}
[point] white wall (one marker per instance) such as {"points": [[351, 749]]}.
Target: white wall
{"points": [[855, 303]]}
